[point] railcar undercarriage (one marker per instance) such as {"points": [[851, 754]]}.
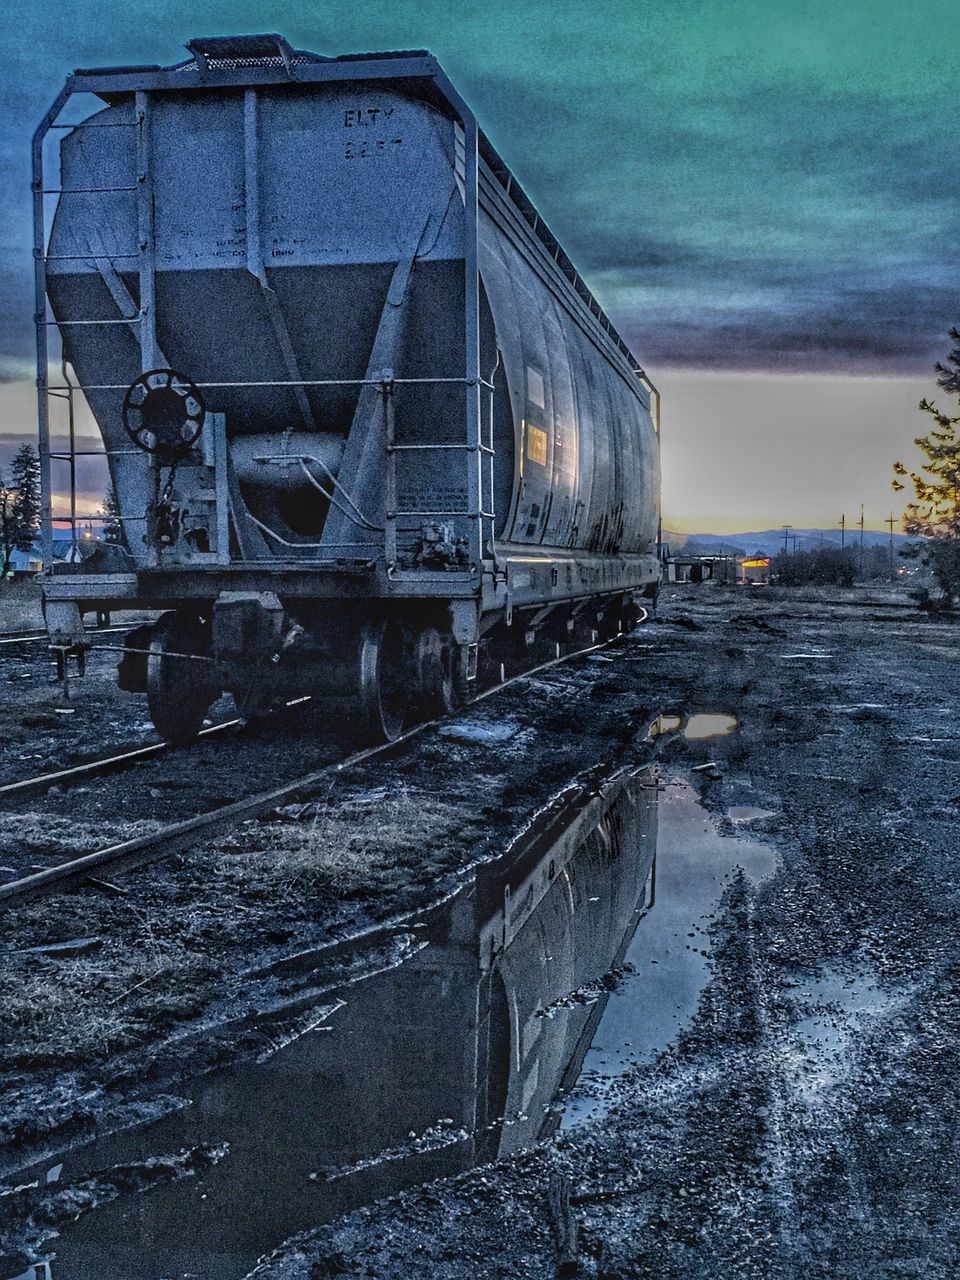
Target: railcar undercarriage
{"points": [[374, 671]]}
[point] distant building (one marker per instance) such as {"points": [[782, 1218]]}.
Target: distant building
{"points": [[755, 569], [696, 569], [66, 549], [25, 564]]}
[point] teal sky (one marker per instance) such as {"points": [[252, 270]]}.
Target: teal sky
{"points": [[750, 188]]}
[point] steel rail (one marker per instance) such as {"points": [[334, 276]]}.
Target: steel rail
{"points": [[23, 637], [112, 763], [181, 835], [33, 637], [101, 765]]}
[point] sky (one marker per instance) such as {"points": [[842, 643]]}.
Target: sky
{"points": [[763, 194]]}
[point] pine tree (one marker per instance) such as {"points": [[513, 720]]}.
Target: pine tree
{"points": [[25, 478], [19, 505], [109, 513], [934, 513], [7, 497]]}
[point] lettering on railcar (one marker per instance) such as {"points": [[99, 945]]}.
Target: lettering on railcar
{"points": [[355, 150], [364, 117], [365, 147]]}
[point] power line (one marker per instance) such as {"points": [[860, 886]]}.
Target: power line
{"points": [[890, 521], [860, 570]]}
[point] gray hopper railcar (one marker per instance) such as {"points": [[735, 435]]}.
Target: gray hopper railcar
{"points": [[366, 425]]}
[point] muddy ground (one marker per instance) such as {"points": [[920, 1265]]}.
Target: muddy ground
{"points": [[804, 1123], [48, 724], [768, 1140]]}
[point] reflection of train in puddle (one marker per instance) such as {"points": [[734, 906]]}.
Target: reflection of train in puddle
{"points": [[449, 1060]]}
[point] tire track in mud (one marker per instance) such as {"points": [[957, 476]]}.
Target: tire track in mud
{"points": [[875, 1094]]}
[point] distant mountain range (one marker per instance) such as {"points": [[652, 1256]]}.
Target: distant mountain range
{"points": [[768, 542]]}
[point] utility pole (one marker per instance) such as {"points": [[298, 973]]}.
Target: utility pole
{"points": [[843, 531], [860, 570], [890, 521], [786, 534]]}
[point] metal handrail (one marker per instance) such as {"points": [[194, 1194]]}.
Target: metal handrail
{"points": [[58, 323], [466, 515], [470, 448], [106, 124], [86, 257], [74, 520], [94, 453], [83, 191], [302, 382]]}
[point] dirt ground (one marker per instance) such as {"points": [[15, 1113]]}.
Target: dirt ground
{"points": [[766, 1141], [47, 725], [20, 606]]}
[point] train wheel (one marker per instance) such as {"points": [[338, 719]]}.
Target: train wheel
{"points": [[432, 663], [179, 691], [384, 681]]}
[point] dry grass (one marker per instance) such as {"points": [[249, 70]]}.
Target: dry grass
{"points": [[54, 1010], [62, 1010], [156, 968], [346, 849], [40, 833]]}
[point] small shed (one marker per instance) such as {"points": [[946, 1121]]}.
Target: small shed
{"points": [[699, 569], [755, 569]]}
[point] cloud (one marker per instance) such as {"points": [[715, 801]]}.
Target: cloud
{"points": [[870, 328], [766, 229], [741, 185], [15, 368]]}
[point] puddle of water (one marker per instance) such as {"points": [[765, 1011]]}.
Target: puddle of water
{"points": [[709, 725], [670, 950], [696, 727], [835, 996], [839, 1005], [455, 1057], [665, 724], [748, 813], [479, 732], [441, 1063]]}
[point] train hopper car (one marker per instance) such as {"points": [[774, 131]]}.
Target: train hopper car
{"points": [[366, 425]]}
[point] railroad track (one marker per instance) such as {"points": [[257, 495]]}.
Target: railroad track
{"points": [[177, 836], [117, 761], [34, 637], [100, 766]]}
